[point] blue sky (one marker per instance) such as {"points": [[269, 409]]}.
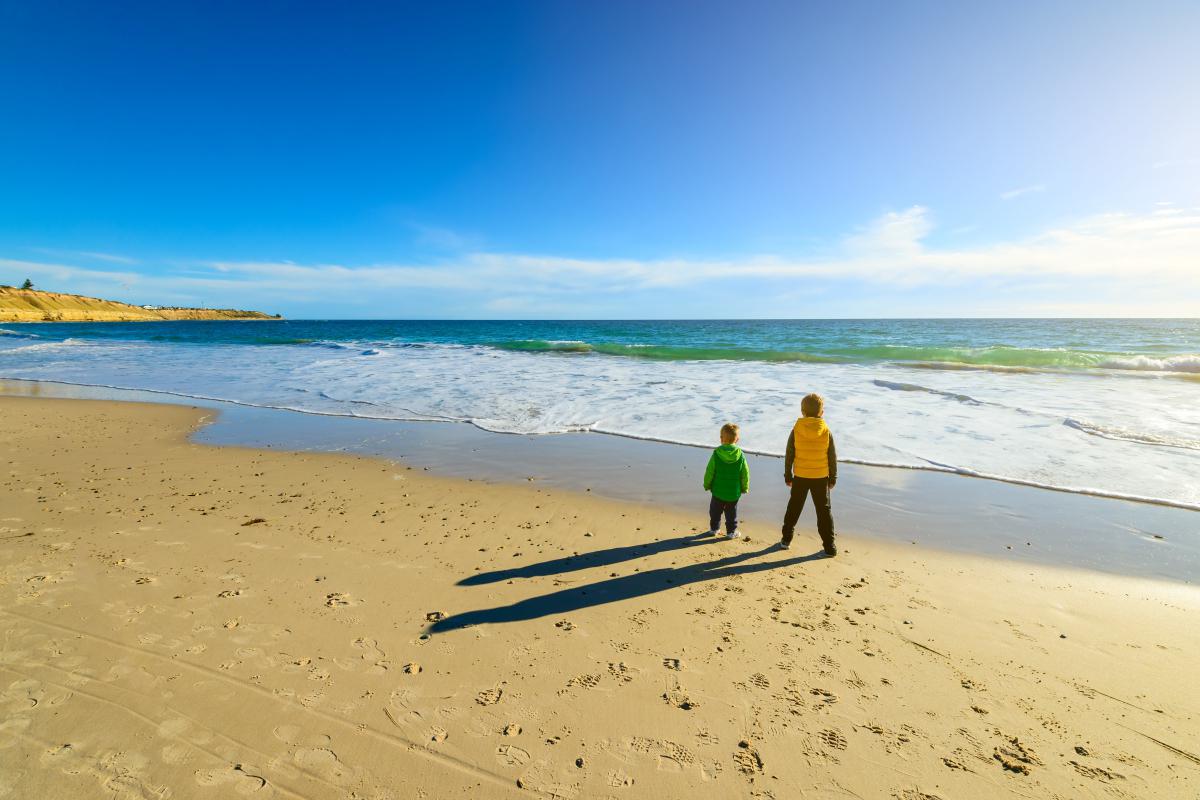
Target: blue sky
{"points": [[606, 159]]}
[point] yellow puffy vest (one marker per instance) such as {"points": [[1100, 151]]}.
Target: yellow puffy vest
{"points": [[811, 438]]}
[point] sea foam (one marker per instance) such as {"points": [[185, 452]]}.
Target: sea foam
{"points": [[1054, 428]]}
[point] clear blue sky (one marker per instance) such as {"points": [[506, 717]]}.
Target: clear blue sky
{"points": [[608, 158]]}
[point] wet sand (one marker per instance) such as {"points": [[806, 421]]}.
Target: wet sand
{"points": [[188, 621], [912, 507]]}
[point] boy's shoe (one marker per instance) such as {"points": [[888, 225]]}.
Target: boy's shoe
{"points": [[831, 551], [785, 545], [713, 532], [734, 534]]}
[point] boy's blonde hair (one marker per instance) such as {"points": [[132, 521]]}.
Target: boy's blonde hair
{"points": [[729, 431], [813, 405]]}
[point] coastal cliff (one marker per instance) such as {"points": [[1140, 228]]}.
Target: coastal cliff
{"points": [[34, 305]]}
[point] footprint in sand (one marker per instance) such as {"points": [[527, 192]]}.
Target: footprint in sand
{"points": [[336, 599], [825, 695], [673, 663], [669, 756], [619, 778], [65, 757], [584, 681], [1015, 756], [489, 697], [833, 739], [620, 671], [294, 664], [175, 753], [170, 728], [323, 762], [312, 699], [1017, 631], [953, 763], [123, 774], [678, 698], [1096, 773], [664, 763], [512, 755], [244, 779], [746, 759], [372, 654], [402, 716], [292, 734]]}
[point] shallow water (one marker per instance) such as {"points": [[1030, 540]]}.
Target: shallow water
{"points": [[924, 509], [1092, 406]]}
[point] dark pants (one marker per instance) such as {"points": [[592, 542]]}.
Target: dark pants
{"points": [[820, 493], [716, 508]]}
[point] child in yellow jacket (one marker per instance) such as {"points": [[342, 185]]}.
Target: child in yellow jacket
{"points": [[810, 465]]}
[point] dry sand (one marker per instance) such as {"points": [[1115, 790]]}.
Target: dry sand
{"points": [[181, 621]]}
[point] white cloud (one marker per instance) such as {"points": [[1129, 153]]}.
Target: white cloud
{"points": [[1179, 162], [1014, 193], [893, 233], [1156, 252], [110, 257], [90, 255], [436, 238], [64, 273], [1161, 246]]}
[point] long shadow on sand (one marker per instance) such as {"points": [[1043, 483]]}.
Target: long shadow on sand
{"points": [[638, 584], [596, 558]]}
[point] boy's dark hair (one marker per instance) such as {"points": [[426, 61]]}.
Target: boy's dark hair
{"points": [[729, 430], [813, 405]]}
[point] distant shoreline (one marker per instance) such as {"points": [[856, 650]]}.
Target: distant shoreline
{"points": [[35, 305], [215, 315]]}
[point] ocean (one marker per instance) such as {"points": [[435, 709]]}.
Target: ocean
{"points": [[1108, 407]]}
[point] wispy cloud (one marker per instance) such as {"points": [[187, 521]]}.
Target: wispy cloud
{"points": [[1175, 163], [1157, 251], [437, 238], [65, 273], [89, 255], [1012, 194]]}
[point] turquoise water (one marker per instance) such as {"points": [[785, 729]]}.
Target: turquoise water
{"points": [[1105, 406], [1166, 345]]}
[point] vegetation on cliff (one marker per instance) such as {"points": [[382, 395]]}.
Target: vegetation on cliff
{"points": [[34, 305]]}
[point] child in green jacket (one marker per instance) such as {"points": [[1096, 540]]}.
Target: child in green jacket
{"points": [[728, 478]]}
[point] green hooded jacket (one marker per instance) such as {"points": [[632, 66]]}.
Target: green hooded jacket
{"points": [[727, 475]]}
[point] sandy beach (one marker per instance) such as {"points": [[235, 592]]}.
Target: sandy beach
{"points": [[182, 621]]}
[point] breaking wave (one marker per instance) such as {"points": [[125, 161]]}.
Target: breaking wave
{"points": [[999, 358]]}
